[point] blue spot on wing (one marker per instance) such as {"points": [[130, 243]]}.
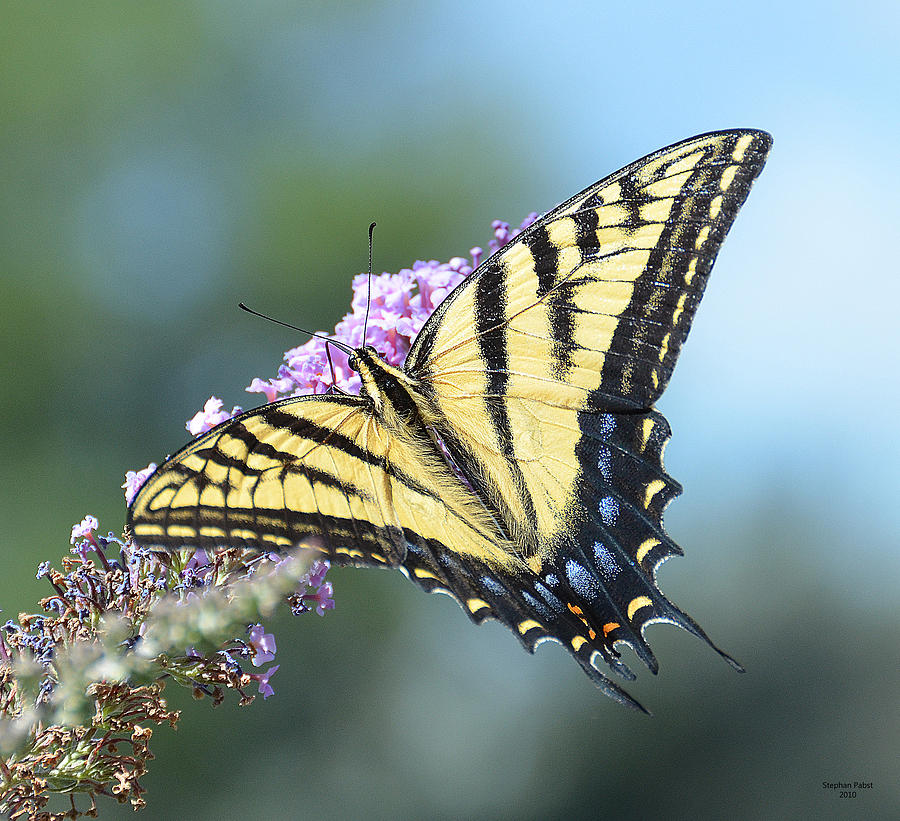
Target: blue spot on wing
{"points": [[490, 583], [609, 510], [604, 462], [548, 597], [582, 581], [606, 563], [539, 607]]}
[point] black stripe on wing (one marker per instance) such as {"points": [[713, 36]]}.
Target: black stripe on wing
{"points": [[491, 333], [560, 316], [343, 540]]}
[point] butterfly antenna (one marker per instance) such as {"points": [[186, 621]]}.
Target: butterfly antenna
{"points": [[339, 345], [369, 297]]}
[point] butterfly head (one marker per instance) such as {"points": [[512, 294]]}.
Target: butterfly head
{"points": [[396, 395], [363, 359]]}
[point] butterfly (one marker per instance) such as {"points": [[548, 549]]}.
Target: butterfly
{"points": [[514, 462]]}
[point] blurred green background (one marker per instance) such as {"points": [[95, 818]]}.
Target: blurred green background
{"points": [[162, 161]]}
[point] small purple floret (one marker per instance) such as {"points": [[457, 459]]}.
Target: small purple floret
{"points": [[323, 598], [265, 688], [263, 645], [211, 415], [134, 479], [84, 529], [316, 573]]}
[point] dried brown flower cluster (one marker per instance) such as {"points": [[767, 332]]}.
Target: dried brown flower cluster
{"points": [[81, 685]]}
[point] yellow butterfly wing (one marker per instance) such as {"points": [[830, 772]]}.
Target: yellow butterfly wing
{"points": [[545, 364], [605, 284], [272, 478], [316, 470]]}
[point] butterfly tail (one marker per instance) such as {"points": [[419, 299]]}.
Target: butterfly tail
{"points": [[606, 559], [518, 600]]}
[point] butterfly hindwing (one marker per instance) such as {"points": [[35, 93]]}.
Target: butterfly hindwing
{"points": [[514, 596]]}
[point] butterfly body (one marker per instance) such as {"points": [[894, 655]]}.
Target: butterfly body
{"points": [[515, 460]]}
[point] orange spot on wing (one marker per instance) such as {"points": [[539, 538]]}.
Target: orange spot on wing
{"points": [[580, 613]]}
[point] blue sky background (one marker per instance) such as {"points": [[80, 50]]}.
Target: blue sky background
{"points": [[163, 162]]}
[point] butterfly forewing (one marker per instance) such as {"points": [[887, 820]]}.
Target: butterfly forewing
{"points": [[601, 291], [302, 468], [316, 471], [585, 312]]}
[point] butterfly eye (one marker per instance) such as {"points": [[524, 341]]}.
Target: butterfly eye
{"points": [[353, 362]]}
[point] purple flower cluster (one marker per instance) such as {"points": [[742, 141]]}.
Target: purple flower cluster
{"points": [[313, 592], [503, 234], [145, 599], [397, 309], [400, 304], [107, 576]]}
